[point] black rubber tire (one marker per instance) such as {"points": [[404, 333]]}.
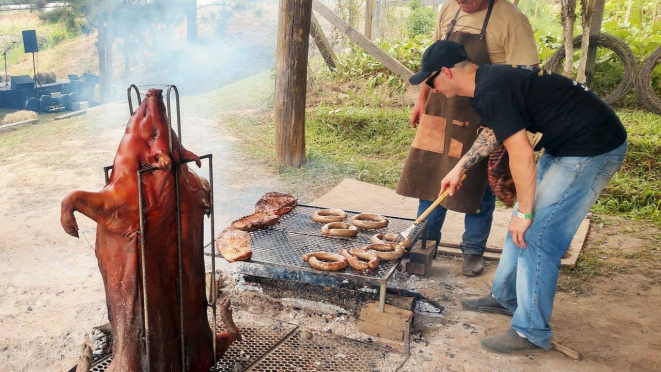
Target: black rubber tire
{"points": [[619, 47], [647, 97]]}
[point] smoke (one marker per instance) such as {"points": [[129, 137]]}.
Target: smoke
{"points": [[235, 39]]}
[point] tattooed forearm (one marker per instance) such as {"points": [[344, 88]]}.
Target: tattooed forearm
{"points": [[482, 147]]}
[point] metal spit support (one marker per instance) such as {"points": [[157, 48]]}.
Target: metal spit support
{"points": [[176, 165]]}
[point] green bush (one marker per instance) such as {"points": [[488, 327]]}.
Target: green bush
{"points": [[421, 21], [356, 63], [71, 24], [46, 77]]}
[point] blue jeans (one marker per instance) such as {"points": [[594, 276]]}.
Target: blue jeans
{"points": [[526, 279], [477, 225]]}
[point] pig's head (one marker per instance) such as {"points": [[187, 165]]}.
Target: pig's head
{"points": [[149, 123]]}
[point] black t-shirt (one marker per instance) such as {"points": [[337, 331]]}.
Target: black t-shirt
{"points": [[572, 119]]}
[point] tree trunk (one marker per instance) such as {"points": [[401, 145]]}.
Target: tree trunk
{"points": [[626, 17], [324, 46], [587, 9], [534, 20], [568, 18], [291, 81], [595, 29], [369, 17], [104, 83], [109, 42]]}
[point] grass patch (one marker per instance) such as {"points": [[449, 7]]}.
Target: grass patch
{"points": [[635, 191]]}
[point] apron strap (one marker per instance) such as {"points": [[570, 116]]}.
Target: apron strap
{"points": [[486, 20], [454, 22]]}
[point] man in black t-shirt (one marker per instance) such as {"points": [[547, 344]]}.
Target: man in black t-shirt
{"points": [[585, 144]]}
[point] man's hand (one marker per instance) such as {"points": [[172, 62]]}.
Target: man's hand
{"points": [[518, 227], [452, 181], [416, 114]]}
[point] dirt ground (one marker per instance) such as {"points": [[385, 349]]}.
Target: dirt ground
{"points": [[51, 291]]}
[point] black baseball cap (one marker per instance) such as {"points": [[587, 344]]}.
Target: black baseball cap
{"points": [[443, 53]]}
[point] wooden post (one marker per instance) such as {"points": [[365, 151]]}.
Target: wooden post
{"points": [[110, 39], [377, 19], [369, 17], [389, 62], [325, 48], [104, 88], [291, 81], [597, 21]]}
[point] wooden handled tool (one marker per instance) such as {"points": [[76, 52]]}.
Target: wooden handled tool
{"points": [[426, 213]]}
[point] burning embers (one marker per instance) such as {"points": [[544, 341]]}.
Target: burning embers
{"points": [[119, 250]]}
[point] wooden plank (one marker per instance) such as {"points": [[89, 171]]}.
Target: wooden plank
{"points": [[389, 62], [369, 18], [568, 260], [291, 81], [324, 46], [9, 127], [361, 196], [70, 115]]}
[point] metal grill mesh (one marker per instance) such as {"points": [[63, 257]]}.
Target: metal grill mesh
{"points": [[307, 351], [297, 234], [302, 351], [259, 336]]}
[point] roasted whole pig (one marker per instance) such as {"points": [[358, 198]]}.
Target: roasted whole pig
{"points": [[115, 210]]}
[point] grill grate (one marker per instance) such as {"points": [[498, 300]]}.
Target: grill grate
{"points": [[308, 351], [271, 345], [259, 336], [297, 234]]}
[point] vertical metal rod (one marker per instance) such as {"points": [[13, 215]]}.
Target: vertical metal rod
{"points": [[180, 289], [144, 270], [213, 261], [382, 297], [128, 93]]}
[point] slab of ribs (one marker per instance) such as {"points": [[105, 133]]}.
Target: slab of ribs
{"points": [[116, 212]]}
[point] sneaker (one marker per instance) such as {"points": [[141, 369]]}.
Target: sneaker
{"points": [[486, 304], [509, 343], [473, 265]]}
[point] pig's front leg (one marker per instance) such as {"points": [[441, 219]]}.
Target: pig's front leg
{"points": [[91, 204], [225, 339]]}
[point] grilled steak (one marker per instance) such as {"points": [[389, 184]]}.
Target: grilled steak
{"points": [[234, 245], [276, 203], [255, 221]]}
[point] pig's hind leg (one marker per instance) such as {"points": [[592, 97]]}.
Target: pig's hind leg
{"points": [[225, 339]]}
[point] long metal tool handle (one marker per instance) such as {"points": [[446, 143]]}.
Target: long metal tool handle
{"points": [[435, 204]]}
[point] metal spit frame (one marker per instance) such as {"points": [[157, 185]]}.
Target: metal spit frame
{"points": [[141, 232]]}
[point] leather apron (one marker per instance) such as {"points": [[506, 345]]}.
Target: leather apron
{"points": [[446, 132]]}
